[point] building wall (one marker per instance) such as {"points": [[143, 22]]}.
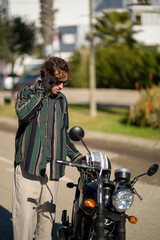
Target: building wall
{"points": [[156, 2], [73, 14]]}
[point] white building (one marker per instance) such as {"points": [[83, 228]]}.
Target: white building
{"points": [[149, 27], [72, 19], [28, 9]]}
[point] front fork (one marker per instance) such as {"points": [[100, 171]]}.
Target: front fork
{"points": [[121, 230], [100, 218]]}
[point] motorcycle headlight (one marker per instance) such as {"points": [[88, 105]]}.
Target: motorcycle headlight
{"points": [[122, 199]]}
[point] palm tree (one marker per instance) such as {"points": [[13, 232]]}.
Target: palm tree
{"points": [[115, 28], [47, 23]]}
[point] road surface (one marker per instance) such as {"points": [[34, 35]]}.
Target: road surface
{"points": [[121, 155]]}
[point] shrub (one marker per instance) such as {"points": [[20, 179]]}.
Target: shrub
{"points": [[116, 67], [121, 67], [146, 112]]}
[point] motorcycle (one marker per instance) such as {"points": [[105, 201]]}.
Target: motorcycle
{"points": [[100, 204]]}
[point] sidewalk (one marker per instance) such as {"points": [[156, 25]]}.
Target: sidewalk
{"points": [[110, 97], [10, 124]]}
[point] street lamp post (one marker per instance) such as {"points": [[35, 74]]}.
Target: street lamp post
{"points": [[92, 76]]}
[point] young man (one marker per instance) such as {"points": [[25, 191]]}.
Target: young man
{"points": [[41, 138]]}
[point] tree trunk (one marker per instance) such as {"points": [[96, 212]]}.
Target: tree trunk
{"points": [[47, 18]]}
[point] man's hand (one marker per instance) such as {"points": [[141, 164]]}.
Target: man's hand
{"points": [[81, 160], [47, 82]]}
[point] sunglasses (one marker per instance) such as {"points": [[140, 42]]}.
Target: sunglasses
{"points": [[54, 80], [57, 82]]}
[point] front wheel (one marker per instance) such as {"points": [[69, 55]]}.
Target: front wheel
{"points": [[85, 227], [112, 231]]}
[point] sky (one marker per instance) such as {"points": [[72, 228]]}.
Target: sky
{"points": [[70, 12], [26, 8]]}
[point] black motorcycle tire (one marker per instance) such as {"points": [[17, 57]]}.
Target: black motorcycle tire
{"points": [[85, 227], [92, 234]]}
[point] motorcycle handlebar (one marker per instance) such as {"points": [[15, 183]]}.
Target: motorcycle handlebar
{"points": [[74, 164]]}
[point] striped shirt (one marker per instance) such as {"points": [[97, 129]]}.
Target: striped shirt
{"points": [[31, 138]]}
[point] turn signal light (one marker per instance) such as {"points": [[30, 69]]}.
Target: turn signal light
{"points": [[90, 203], [133, 219]]}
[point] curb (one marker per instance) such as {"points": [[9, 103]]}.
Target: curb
{"points": [[117, 138], [11, 124]]}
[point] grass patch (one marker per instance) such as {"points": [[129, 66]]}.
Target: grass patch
{"points": [[108, 119], [8, 110]]}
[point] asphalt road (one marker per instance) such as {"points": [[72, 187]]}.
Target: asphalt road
{"points": [[136, 159]]}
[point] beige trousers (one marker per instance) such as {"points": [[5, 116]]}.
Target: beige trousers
{"points": [[34, 205]]}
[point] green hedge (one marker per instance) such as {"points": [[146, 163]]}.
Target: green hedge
{"points": [[117, 67], [122, 67]]}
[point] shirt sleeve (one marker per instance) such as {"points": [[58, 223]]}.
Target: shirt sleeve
{"points": [[28, 102], [72, 151]]}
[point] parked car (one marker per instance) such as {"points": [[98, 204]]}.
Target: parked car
{"points": [[26, 80], [7, 81]]}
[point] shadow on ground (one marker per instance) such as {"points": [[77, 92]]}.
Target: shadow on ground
{"points": [[6, 231]]}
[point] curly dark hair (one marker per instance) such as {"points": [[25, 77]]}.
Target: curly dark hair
{"points": [[53, 64]]}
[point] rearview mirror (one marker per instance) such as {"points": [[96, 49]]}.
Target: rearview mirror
{"points": [[76, 133], [152, 170]]}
